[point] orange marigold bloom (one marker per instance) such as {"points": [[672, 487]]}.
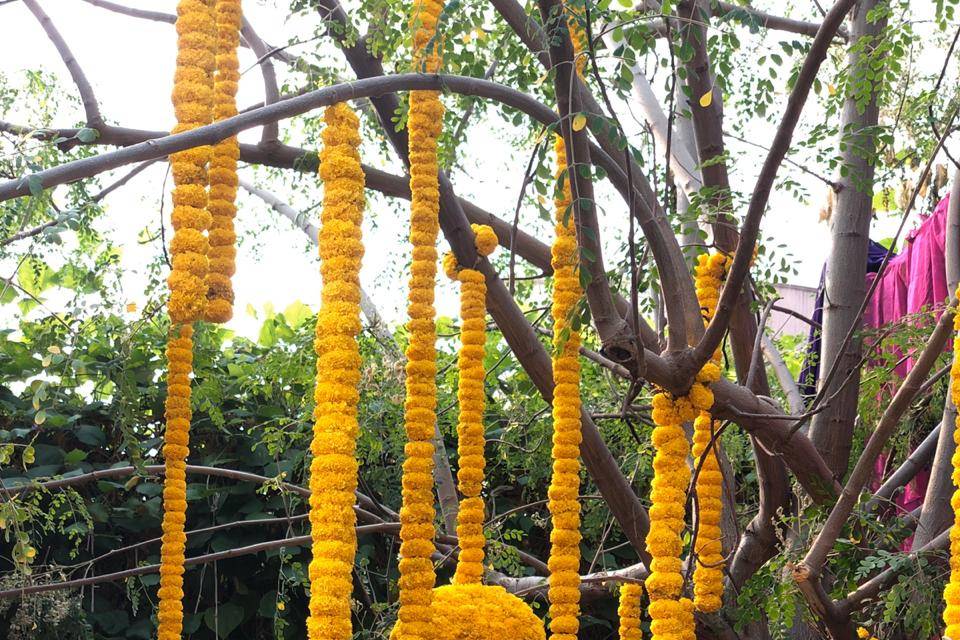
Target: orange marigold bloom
{"points": [[333, 467]]}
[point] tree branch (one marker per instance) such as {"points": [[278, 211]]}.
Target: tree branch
{"points": [[90, 106], [768, 173]]}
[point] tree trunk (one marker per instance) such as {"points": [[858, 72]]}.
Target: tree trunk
{"points": [[832, 429]]}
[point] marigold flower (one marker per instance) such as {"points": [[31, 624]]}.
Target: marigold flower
{"points": [[333, 468], [564, 488], [424, 124], [223, 166], [193, 105], [951, 593]]}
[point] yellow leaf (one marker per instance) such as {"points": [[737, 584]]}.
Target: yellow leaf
{"points": [[579, 122], [46, 361], [831, 89], [706, 99], [53, 349], [131, 307], [281, 606]]}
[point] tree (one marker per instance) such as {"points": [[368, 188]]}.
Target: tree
{"points": [[810, 546]]}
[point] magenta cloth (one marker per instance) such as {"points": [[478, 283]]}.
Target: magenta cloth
{"points": [[913, 281]]}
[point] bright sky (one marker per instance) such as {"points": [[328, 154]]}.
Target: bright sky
{"points": [[130, 65]]}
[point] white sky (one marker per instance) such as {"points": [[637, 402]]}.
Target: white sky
{"points": [[130, 65]]}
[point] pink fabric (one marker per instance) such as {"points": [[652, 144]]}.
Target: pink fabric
{"points": [[912, 282]]}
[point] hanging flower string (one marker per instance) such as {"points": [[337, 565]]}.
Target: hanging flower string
{"points": [[223, 166], [425, 121], [470, 394], [193, 106], [629, 611], [333, 469], [564, 504], [708, 574], [671, 615], [951, 593]]}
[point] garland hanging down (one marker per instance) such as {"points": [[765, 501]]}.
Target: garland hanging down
{"points": [[671, 615], [951, 593], [629, 611], [708, 574], [470, 394], [223, 166], [425, 121], [193, 106], [468, 609], [333, 469], [564, 505]]}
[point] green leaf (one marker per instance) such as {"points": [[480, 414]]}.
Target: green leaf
{"points": [[87, 135], [224, 618]]}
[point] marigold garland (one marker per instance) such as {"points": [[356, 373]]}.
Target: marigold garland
{"points": [[629, 611], [564, 505], [481, 612], [668, 500], [193, 105], [470, 394], [223, 166], [333, 469], [708, 574], [951, 593], [175, 450], [425, 121]]}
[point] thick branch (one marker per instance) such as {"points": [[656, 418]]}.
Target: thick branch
{"points": [[768, 173], [682, 308], [271, 94], [618, 340], [90, 106]]}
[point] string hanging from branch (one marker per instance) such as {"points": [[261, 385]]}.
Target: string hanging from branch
{"points": [[629, 611], [193, 106], [563, 494], [468, 609], [424, 123], [333, 468], [708, 573], [563, 503], [472, 401], [951, 592], [223, 166], [671, 615]]}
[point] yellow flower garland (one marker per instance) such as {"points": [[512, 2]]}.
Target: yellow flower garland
{"points": [[668, 500], [193, 105], [470, 393], [708, 574], [333, 469], [564, 505], [629, 611], [223, 166], [951, 593], [425, 122], [175, 450]]}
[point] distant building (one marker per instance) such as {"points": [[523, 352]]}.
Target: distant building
{"points": [[796, 298]]}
